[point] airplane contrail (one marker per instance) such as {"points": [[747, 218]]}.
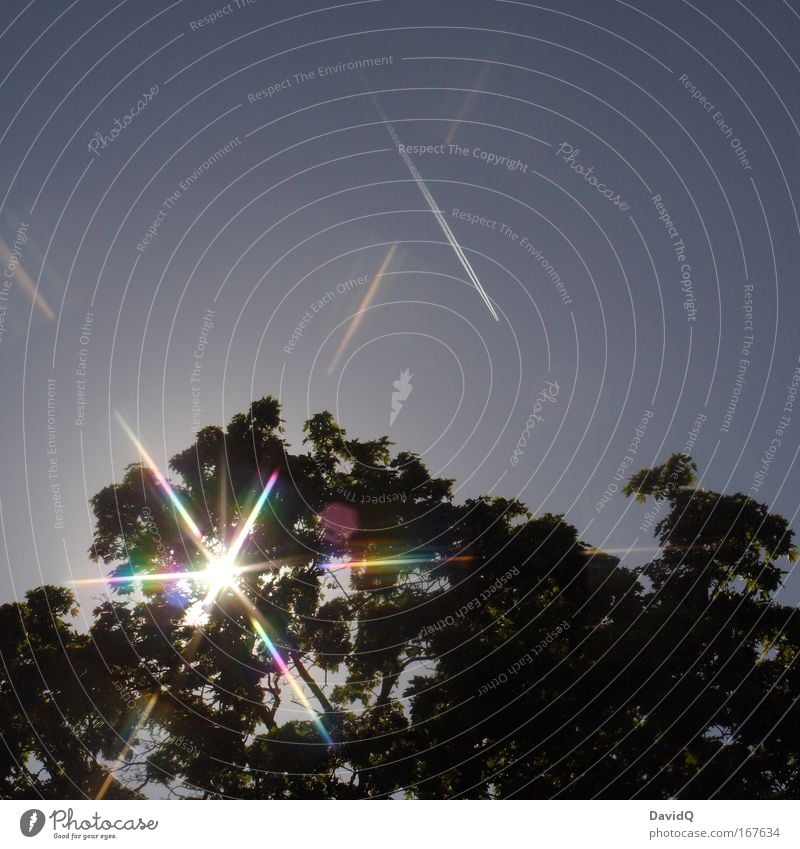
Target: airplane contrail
{"points": [[430, 201]]}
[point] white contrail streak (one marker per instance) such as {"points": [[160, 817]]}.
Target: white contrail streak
{"points": [[432, 203]]}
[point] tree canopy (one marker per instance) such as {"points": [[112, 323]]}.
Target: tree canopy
{"points": [[375, 638]]}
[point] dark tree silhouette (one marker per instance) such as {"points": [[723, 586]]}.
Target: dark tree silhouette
{"points": [[380, 639]]}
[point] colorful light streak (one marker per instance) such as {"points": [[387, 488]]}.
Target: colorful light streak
{"points": [[169, 491], [256, 621], [203, 575], [477, 86], [630, 549], [11, 260], [220, 573], [389, 562], [233, 550], [223, 571], [148, 709], [370, 294]]}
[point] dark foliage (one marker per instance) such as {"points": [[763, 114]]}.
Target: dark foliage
{"points": [[449, 650]]}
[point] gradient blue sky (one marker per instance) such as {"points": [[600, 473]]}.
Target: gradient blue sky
{"points": [[314, 193]]}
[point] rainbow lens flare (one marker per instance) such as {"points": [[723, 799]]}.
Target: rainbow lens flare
{"points": [[220, 573]]}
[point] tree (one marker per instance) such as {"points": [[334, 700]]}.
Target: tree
{"points": [[378, 639], [59, 716]]}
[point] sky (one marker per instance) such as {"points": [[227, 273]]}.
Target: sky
{"points": [[203, 204]]}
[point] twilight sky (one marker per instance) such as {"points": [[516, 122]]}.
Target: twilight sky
{"points": [[202, 205]]}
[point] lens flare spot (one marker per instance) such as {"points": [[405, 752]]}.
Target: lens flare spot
{"points": [[339, 522]]}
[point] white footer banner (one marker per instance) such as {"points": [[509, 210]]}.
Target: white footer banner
{"points": [[394, 824]]}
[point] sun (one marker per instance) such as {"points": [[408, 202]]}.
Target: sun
{"points": [[221, 570], [221, 574]]}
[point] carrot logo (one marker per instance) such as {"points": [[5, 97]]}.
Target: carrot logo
{"points": [[400, 395], [31, 822]]}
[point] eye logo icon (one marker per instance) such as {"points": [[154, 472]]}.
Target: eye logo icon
{"points": [[31, 822]]}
